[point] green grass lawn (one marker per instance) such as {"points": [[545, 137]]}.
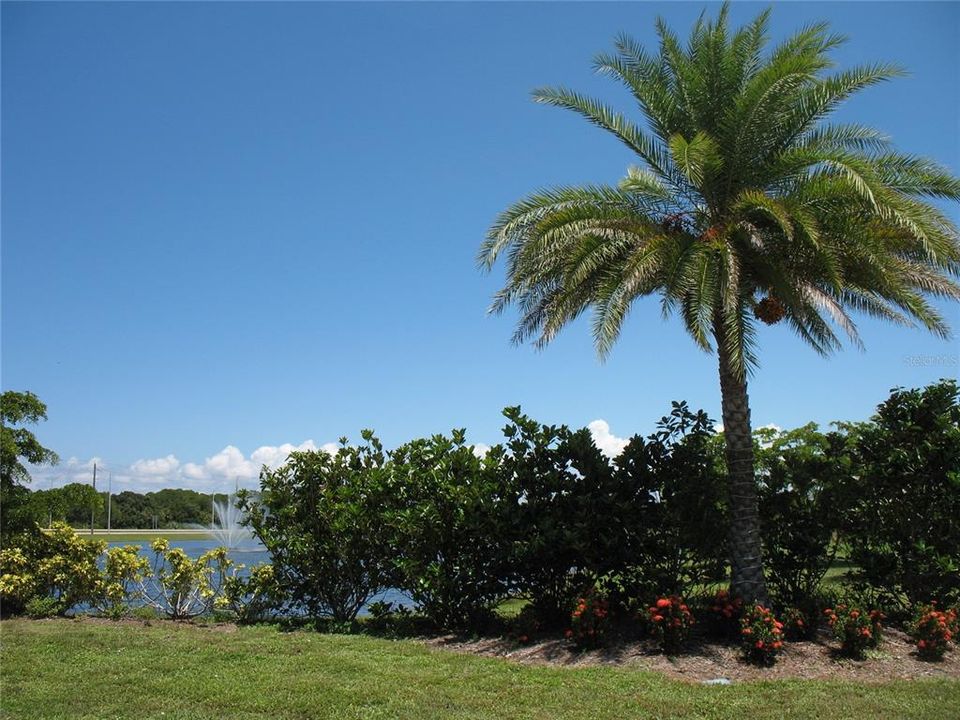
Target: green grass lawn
{"points": [[82, 669]]}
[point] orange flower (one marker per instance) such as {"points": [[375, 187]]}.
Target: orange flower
{"points": [[663, 603]]}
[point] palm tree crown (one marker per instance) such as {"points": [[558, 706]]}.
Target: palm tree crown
{"points": [[746, 206]]}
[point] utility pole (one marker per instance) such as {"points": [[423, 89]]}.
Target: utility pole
{"points": [[109, 497], [93, 509]]}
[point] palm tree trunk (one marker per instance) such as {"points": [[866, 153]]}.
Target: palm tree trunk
{"points": [[746, 562]]}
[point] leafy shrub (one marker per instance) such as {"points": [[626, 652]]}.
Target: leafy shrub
{"points": [[933, 629], [568, 521], [181, 587], [42, 607], [797, 625], [17, 582], [123, 577], [58, 565], [904, 499], [800, 474], [526, 626], [446, 525], [675, 479], [254, 596], [590, 621], [396, 620], [321, 517], [853, 628], [761, 635], [670, 622], [723, 614]]}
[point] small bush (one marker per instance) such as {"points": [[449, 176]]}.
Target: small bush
{"points": [[761, 635], [526, 626], [253, 597], [933, 629], [798, 625], [670, 620], [321, 518], [57, 564], [123, 576], [853, 628], [904, 496], [182, 587], [445, 520], [42, 607], [724, 612], [590, 621]]}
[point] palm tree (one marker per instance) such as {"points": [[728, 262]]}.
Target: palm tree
{"points": [[746, 205]]}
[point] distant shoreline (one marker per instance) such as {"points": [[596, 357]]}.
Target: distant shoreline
{"points": [[140, 534]]}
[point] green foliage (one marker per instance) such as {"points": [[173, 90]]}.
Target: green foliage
{"points": [[321, 518], [723, 613], [802, 473], [79, 501], [745, 192], [670, 622], [124, 573], [590, 621], [761, 635], [933, 630], [254, 596], [59, 566], [572, 518], [42, 607], [446, 519], [18, 446], [676, 488], [182, 587], [853, 628], [904, 498]]}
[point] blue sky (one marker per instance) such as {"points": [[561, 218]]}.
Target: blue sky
{"points": [[231, 227]]}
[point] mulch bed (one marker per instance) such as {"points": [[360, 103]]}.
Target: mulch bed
{"points": [[895, 659]]}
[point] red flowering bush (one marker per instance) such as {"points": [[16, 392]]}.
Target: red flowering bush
{"points": [[526, 626], [589, 622], [853, 627], [876, 626], [724, 613], [797, 625], [670, 622], [761, 635], [933, 630]]}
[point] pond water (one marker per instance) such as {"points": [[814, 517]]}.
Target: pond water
{"points": [[251, 553]]}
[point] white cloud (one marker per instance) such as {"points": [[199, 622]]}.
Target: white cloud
{"points": [[155, 467], [220, 472], [609, 444], [481, 449], [275, 456]]}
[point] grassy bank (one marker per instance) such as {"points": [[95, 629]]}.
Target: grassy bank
{"points": [[87, 669], [145, 535]]}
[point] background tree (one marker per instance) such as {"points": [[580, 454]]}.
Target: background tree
{"points": [[747, 206], [18, 446], [903, 500]]}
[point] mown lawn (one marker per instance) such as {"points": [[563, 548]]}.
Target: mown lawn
{"points": [[83, 669]]}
